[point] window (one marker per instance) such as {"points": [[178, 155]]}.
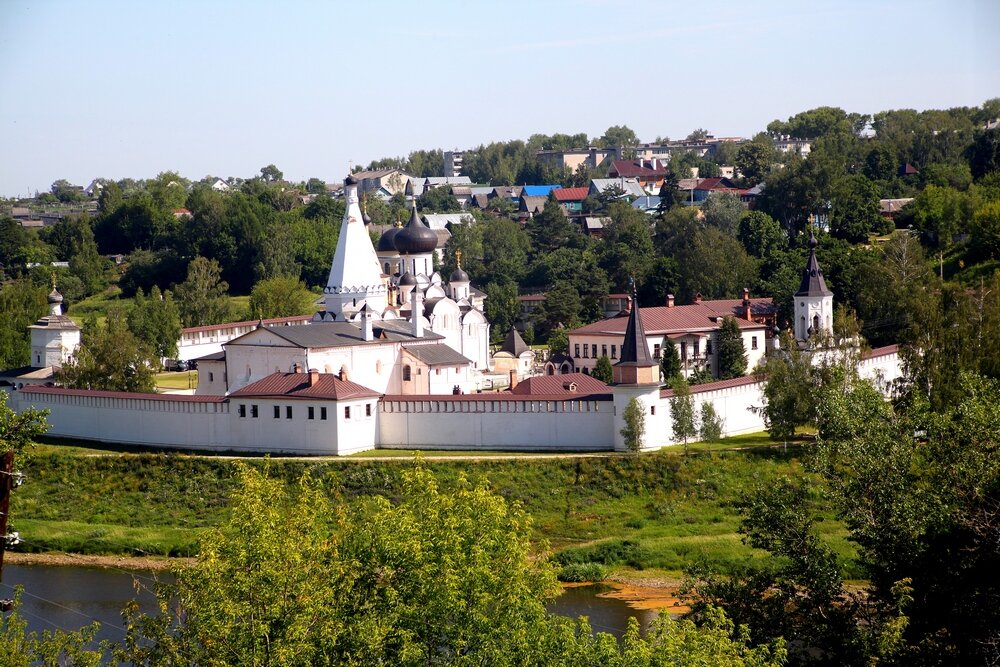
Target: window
{"points": [[614, 351], [368, 409], [211, 376], [576, 351], [652, 409], [253, 411], [437, 371], [347, 412], [277, 412], [312, 412], [322, 413], [684, 351], [406, 373], [708, 346], [697, 345], [656, 351], [243, 411], [288, 412], [593, 350], [586, 351], [604, 350], [753, 343]]}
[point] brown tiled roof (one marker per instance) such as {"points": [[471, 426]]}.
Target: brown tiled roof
{"points": [[715, 184], [550, 385], [704, 315], [635, 168], [297, 385], [178, 398], [570, 194]]}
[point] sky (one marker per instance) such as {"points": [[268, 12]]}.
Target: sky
{"points": [[134, 88]]}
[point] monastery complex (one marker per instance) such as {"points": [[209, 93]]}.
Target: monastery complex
{"points": [[399, 358]]}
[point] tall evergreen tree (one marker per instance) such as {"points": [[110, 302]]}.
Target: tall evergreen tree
{"points": [[732, 353]]}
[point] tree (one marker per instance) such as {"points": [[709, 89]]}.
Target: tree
{"points": [[984, 154], [110, 358], [754, 158], [202, 296], [682, 411], [558, 342], [986, 229], [439, 199], [316, 186], [761, 235], [732, 353], [855, 209], [710, 429], [156, 322], [505, 251], [18, 647], [86, 262], [502, 308], [280, 297], [634, 432], [66, 192], [169, 190], [271, 174], [723, 211], [21, 304], [561, 308], [551, 230], [619, 136], [670, 361], [603, 370]]}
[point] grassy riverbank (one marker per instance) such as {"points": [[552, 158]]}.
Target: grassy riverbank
{"points": [[656, 512]]}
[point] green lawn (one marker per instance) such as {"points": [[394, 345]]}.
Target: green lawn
{"points": [[661, 510], [181, 380]]}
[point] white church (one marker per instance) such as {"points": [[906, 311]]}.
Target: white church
{"points": [[395, 360]]}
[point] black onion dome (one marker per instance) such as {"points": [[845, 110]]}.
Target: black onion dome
{"points": [[55, 296], [416, 238], [459, 276], [350, 180], [407, 279], [387, 242]]}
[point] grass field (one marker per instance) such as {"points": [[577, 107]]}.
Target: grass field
{"points": [[661, 511], [181, 380]]}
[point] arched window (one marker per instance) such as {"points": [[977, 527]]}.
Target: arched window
{"points": [[387, 269], [816, 323], [406, 373]]}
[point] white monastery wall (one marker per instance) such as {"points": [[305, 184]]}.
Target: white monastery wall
{"points": [[485, 422]]}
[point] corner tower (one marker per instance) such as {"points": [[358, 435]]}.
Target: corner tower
{"points": [[813, 301], [636, 375], [355, 277]]}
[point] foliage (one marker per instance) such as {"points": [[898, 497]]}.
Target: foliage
{"points": [[280, 297], [855, 209], [723, 211], [670, 361], [438, 200], [19, 429], [755, 158], [602, 370], [710, 423], [682, 415], [502, 308], [732, 354], [558, 342], [634, 431], [984, 154], [110, 358], [202, 296], [156, 322], [50, 648], [21, 304]]}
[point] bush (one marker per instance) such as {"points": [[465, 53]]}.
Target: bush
{"points": [[614, 552], [579, 572]]}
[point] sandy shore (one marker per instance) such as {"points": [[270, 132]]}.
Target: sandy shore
{"points": [[82, 560]]}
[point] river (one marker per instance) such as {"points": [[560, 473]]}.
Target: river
{"points": [[69, 597]]}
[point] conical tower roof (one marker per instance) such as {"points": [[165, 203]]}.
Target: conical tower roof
{"points": [[812, 276], [514, 344], [635, 351]]}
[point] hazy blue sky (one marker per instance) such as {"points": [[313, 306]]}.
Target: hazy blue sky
{"points": [[133, 88]]}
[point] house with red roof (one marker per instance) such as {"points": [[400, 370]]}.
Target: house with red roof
{"points": [[571, 200], [709, 186], [694, 329], [649, 173]]}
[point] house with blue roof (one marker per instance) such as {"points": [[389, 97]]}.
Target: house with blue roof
{"points": [[538, 190]]}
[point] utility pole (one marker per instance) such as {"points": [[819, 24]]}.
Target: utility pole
{"points": [[6, 484]]}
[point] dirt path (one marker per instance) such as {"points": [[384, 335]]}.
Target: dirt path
{"points": [[83, 560]]}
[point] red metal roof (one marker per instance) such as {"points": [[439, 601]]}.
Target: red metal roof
{"points": [[695, 316], [549, 385], [635, 168], [713, 386], [297, 385], [717, 184], [230, 325], [571, 194], [499, 396], [881, 352], [63, 391]]}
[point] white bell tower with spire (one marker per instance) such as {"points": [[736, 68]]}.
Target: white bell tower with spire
{"points": [[355, 276]]}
